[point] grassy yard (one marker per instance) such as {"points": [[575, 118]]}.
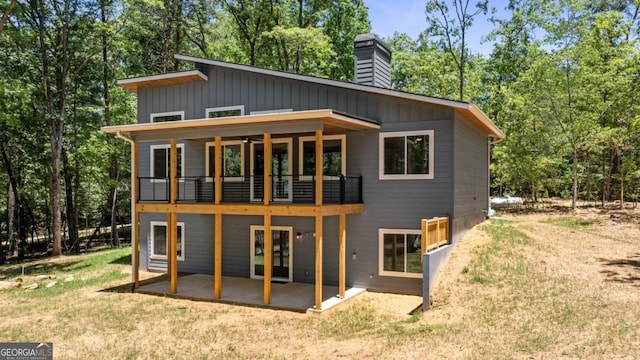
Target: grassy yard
{"points": [[531, 286]]}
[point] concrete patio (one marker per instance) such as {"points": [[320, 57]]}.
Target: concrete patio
{"points": [[242, 291]]}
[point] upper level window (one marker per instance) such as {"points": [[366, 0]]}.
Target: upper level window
{"points": [[406, 155], [334, 151], [236, 110], [274, 111], [167, 116], [400, 253], [232, 160], [160, 160]]}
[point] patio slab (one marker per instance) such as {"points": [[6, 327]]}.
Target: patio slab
{"points": [[242, 291]]}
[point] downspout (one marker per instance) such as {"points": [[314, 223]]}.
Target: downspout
{"points": [[134, 225]]}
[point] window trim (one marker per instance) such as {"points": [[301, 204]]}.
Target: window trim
{"points": [[223, 108], [274, 111], [224, 143], [381, 271], [168, 113], [405, 176], [343, 147], [252, 250], [181, 228], [166, 147]]}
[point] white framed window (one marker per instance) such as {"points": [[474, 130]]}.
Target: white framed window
{"points": [[232, 160], [274, 111], [335, 156], [159, 240], [400, 253], [224, 111], [166, 116], [406, 155], [160, 159]]}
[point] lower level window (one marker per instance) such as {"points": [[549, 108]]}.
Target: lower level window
{"points": [[159, 240], [400, 253]]}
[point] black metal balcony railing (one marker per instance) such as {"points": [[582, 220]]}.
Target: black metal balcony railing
{"points": [[284, 188]]}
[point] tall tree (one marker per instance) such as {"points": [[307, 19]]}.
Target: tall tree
{"points": [[451, 30], [63, 50], [251, 18], [344, 20]]}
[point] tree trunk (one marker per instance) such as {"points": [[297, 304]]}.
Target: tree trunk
{"points": [[574, 198], [621, 188], [72, 214], [115, 239], [177, 17], [56, 217], [113, 158], [13, 201]]}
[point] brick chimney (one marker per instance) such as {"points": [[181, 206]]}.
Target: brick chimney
{"points": [[372, 58]]}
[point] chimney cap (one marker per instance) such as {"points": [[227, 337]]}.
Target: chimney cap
{"points": [[371, 37]]}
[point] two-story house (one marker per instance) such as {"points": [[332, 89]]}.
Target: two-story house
{"points": [[240, 171]]}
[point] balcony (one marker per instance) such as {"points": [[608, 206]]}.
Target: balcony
{"points": [[250, 189]]}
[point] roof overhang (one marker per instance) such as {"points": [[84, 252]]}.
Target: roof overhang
{"points": [[326, 120], [182, 77], [477, 117]]}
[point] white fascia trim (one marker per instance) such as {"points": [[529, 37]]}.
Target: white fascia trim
{"points": [[163, 77], [329, 82]]}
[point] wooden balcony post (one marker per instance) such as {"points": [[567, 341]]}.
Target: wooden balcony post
{"points": [[423, 239], [172, 224], [341, 255], [266, 184], [268, 250], [319, 166], [318, 300], [218, 170], [173, 254], [135, 228], [168, 245], [217, 268]]}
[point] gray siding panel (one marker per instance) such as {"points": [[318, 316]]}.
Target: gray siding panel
{"points": [[471, 173]]}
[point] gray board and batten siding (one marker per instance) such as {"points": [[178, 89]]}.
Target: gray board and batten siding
{"points": [[399, 204]]}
